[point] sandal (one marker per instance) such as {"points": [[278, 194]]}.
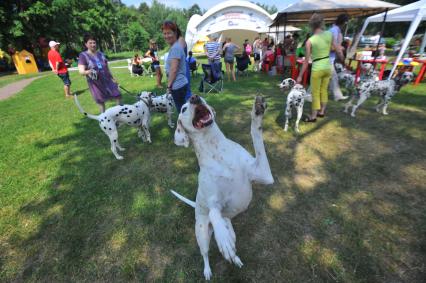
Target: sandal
{"points": [[309, 120]]}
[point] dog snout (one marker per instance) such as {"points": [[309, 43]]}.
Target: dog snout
{"points": [[195, 99]]}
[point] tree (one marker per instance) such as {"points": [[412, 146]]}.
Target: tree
{"points": [[193, 10], [143, 8], [137, 37], [270, 9]]}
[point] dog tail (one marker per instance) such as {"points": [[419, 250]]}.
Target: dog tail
{"points": [[184, 199], [82, 110]]}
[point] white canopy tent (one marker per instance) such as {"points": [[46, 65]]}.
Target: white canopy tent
{"points": [[301, 11], [414, 13], [275, 31], [236, 19]]}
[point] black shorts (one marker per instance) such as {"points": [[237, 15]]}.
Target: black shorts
{"points": [[65, 78], [256, 56], [155, 65]]}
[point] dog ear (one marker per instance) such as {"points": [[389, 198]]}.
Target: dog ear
{"points": [[292, 83], [181, 138]]}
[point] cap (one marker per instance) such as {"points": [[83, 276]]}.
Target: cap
{"points": [[53, 43]]}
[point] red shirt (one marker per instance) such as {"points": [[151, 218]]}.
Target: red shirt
{"points": [[55, 57]]}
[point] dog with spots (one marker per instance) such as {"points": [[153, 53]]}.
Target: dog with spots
{"points": [[161, 104], [226, 174], [135, 115], [384, 89], [345, 77], [295, 100]]}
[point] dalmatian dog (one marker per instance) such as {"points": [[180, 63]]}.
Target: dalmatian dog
{"points": [[135, 115], [161, 104], [346, 78], [295, 99], [384, 89], [227, 171]]}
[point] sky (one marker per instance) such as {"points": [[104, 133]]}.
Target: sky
{"points": [[206, 4]]}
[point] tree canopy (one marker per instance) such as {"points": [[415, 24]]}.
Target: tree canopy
{"points": [[116, 26]]}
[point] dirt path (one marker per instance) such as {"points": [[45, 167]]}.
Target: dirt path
{"points": [[13, 88]]}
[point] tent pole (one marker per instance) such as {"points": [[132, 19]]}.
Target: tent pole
{"points": [[422, 46], [357, 37], [380, 37], [414, 24], [285, 28], [277, 28]]}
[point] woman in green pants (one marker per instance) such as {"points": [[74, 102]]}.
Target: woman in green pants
{"points": [[318, 48]]}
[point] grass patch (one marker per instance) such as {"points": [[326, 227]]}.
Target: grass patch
{"points": [[347, 204]]}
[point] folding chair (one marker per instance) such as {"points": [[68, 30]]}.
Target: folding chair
{"points": [[242, 65], [193, 67], [212, 79], [130, 68], [146, 66]]}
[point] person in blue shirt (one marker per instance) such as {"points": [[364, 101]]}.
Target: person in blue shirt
{"points": [[176, 68], [336, 31]]}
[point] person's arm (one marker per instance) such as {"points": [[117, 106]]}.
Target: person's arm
{"points": [[174, 64], [305, 65], [51, 67], [338, 49], [205, 52], [219, 51], [82, 70]]}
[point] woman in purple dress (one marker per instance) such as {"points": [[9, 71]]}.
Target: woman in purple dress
{"points": [[93, 65]]}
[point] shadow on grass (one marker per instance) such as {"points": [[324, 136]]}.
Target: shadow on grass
{"points": [[353, 213]]}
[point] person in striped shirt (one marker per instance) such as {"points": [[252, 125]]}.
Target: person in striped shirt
{"points": [[213, 50]]}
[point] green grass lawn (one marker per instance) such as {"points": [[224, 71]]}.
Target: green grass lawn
{"points": [[348, 203]]}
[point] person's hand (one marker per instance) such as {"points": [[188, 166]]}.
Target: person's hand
{"points": [[299, 79], [55, 71]]}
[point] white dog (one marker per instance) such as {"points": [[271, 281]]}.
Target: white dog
{"points": [[295, 99], [346, 78], [161, 104], [226, 173], [136, 115], [384, 89]]}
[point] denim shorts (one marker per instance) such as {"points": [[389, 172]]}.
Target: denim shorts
{"points": [[229, 60], [65, 78]]}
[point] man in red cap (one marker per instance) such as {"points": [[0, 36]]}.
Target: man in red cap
{"points": [[58, 66]]}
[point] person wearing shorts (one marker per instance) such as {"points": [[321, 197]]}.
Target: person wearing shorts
{"points": [[155, 65], [229, 49], [58, 66]]}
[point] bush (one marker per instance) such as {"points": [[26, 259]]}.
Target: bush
{"points": [[390, 42]]}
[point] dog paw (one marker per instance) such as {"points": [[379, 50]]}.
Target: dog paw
{"points": [[353, 115], [121, 148], [226, 245], [237, 261], [207, 273], [385, 113], [119, 157], [259, 105], [172, 125]]}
